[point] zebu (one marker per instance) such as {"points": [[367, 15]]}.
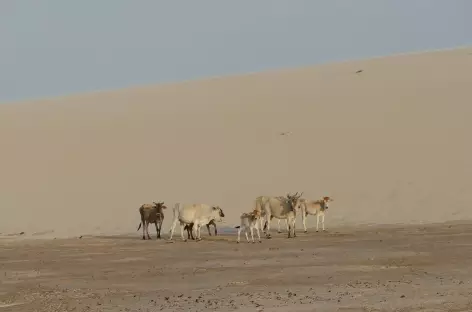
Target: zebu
{"points": [[151, 213], [198, 214], [316, 208], [249, 221], [280, 208]]}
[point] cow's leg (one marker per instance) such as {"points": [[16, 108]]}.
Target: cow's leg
{"points": [[190, 231], [245, 233], [294, 227], [317, 221], [286, 223], [278, 226], [252, 234], [239, 234], [188, 228], [157, 230], [258, 234], [160, 228], [304, 222], [322, 222], [182, 225], [216, 232], [199, 231], [147, 230], [290, 226], [144, 231], [195, 230], [268, 219], [172, 228]]}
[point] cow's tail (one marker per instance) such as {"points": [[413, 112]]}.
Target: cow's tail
{"points": [[139, 226], [237, 227]]}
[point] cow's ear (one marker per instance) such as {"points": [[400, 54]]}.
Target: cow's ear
{"points": [[215, 208]]}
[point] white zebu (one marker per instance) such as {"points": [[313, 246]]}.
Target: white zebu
{"points": [[260, 202], [151, 213], [280, 208], [249, 221], [315, 208], [198, 214]]}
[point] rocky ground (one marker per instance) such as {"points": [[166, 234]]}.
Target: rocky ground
{"points": [[394, 268]]}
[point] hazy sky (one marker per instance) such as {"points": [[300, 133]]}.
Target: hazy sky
{"points": [[56, 47]]}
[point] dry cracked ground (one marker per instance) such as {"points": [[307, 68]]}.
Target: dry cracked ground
{"points": [[394, 268]]}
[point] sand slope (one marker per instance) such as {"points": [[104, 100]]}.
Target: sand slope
{"points": [[391, 144]]}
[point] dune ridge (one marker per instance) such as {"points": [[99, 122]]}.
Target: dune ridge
{"points": [[389, 144]]}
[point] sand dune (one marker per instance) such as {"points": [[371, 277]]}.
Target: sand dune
{"points": [[390, 145]]}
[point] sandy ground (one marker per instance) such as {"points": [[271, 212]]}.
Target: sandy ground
{"points": [[388, 268]]}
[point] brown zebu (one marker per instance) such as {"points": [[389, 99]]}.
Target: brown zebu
{"points": [[152, 213]]}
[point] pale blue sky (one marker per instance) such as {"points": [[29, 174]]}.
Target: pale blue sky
{"points": [[57, 47]]}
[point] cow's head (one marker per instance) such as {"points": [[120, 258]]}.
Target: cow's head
{"points": [[295, 201], [324, 202], [218, 213], [159, 205]]}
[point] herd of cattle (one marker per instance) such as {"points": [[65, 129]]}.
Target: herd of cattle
{"points": [[191, 217]]}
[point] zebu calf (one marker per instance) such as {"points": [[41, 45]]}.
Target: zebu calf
{"points": [[316, 208], [189, 229], [249, 221], [151, 213]]}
